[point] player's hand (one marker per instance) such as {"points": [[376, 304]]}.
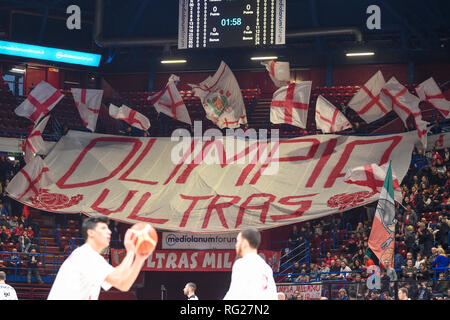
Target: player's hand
{"points": [[128, 241]]}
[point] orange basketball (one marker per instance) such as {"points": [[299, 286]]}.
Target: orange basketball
{"points": [[145, 238]]}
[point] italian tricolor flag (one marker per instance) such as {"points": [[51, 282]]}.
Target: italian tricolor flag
{"points": [[382, 236]]}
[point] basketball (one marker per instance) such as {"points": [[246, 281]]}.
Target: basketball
{"points": [[145, 238]]}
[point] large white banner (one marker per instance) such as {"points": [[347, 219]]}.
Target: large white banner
{"points": [[175, 188], [203, 241]]}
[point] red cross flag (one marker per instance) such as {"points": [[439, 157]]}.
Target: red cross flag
{"points": [[404, 104], [279, 72], [130, 116], [367, 103], [41, 100], [88, 102], [290, 104], [328, 118], [222, 98], [34, 142], [169, 102], [372, 176], [429, 91], [30, 180]]}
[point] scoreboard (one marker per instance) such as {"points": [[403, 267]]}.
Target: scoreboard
{"points": [[231, 23]]}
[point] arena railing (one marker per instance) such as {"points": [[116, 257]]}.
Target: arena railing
{"points": [[292, 256]]}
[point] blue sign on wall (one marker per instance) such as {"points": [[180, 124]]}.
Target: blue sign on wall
{"points": [[51, 54]]}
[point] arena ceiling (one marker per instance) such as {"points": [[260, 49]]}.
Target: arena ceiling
{"points": [[411, 30]]}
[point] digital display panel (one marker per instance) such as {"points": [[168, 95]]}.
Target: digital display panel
{"points": [[50, 54], [231, 23]]}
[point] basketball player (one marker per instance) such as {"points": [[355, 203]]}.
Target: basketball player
{"points": [[251, 277], [85, 270], [6, 291], [189, 291]]}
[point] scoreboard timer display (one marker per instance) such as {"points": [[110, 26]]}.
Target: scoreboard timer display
{"points": [[231, 23]]}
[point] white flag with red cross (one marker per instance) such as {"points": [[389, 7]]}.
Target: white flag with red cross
{"points": [[34, 142], [290, 104], [170, 102], [88, 102], [29, 181], [429, 91], [372, 176], [367, 103], [130, 116], [279, 72], [404, 104], [40, 101], [328, 118], [222, 98]]}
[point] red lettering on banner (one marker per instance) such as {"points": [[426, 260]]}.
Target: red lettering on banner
{"points": [[219, 208], [134, 214], [182, 160], [266, 163], [329, 149], [264, 207], [187, 213], [198, 160], [305, 205], [137, 162], [61, 183], [101, 199], [345, 156]]}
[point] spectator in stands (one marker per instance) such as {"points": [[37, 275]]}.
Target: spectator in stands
{"points": [[33, 265], [296, 268], [409, 273], [359, 256], [4, 220], [442, 234], [334, 269], [328, 258], [419, 260], [295, 295], [115, 234], [441, 262], [356, 265], [13, 222], [424, 274], [434, 254], [412, 289], [294, 237], [13, 262], [358, 288], [441, 285], [6, 235], [410, 237], [425, 239], [24, 242], [343, 294], [399, 261], [345, 268], [303, 277], [18, 232], [403, 294], [410, 216], [424, 292], [324, 270]]}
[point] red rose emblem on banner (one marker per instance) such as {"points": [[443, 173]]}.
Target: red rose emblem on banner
{"points": [[54, 201], [349, 200]]}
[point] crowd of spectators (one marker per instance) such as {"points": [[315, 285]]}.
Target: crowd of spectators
{"points": [[421, 264], [18, 233]]}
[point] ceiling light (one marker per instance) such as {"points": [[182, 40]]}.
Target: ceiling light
{"points": [[173, 61], [18, 70], [359, 54], [264, 58]]}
